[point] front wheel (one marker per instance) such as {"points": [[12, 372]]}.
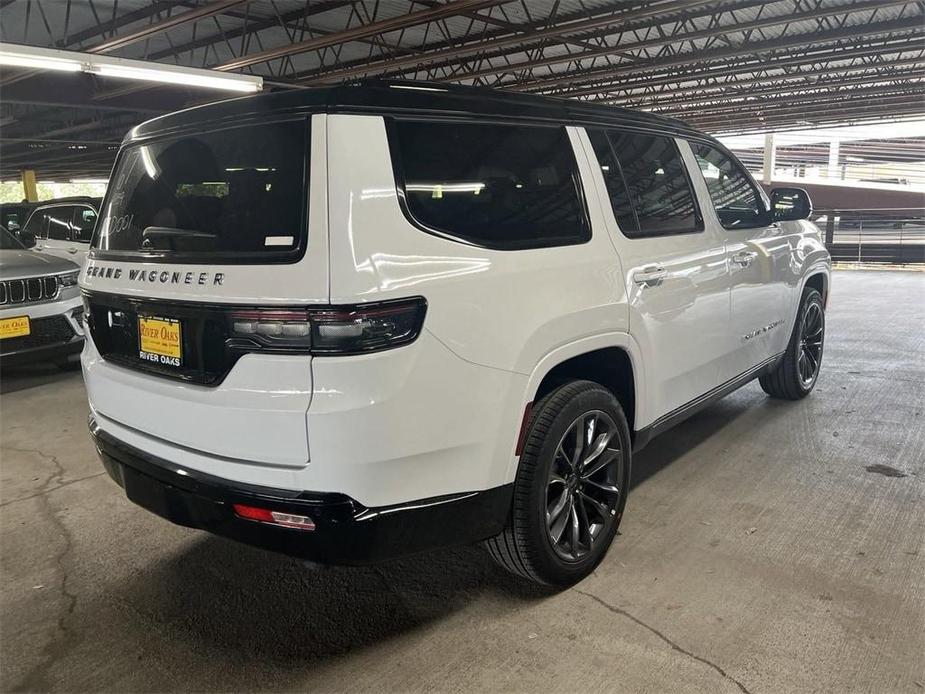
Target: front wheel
{"points": [[798, 370], [570, 489]]}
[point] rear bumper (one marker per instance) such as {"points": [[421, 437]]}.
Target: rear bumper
{"points": [[345, 531], [44, 353]]}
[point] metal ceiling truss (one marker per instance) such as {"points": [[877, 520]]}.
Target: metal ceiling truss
{"points": [[723, 65]]}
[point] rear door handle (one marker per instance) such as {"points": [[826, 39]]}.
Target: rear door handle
{"points": [[651, 276], [744, 258], [72, 251]]}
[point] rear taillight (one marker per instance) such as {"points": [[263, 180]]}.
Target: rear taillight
{"points": [[330, 330]]}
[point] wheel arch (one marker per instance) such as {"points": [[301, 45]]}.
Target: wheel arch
{"points": [[818, 279], [612, 359], [609, 366]]}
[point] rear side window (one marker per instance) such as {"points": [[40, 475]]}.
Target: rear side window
{"points": [[616, 185], [235, 195], [499, 186], [657, 184], [737, 201]]}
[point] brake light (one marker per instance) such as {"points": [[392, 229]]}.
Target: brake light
{"points": [[265, 515], [332, 330]]}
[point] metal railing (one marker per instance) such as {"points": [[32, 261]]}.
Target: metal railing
{"points": [[880, 236]]}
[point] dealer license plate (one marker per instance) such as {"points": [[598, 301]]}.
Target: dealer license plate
{"points": [[15, 327]]}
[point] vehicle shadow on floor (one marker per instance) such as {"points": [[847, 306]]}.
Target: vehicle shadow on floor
{"points": [[240, 602], [16, 378], [680, 440]]}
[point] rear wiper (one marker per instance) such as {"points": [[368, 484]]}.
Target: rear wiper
{"points": [[151, 235], [173, 232]]}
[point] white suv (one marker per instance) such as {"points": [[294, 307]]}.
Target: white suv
{"points": [[362, 321], [62, 227]]}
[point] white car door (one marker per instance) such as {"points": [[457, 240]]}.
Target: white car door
{"points": [[57, 239], [674, 267], [82, 225], [758, 254]]}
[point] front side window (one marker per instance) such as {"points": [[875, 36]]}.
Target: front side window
{"points": [[737, 202], [659, 189], [59, 223], [82, 223], [500, 186], [236, 195], [38, 224]]}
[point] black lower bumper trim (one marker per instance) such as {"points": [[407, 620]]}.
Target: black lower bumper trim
{"points": [[345, 531], [53, 352]]}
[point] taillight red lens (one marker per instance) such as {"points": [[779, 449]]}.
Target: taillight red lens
{"points": [[265, 515], [332, 330]]}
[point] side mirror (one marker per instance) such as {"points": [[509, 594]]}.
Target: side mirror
{"points": [[26, 238], [790, 205]]}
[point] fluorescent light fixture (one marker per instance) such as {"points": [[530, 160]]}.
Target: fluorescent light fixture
{"points": [[191, 77], [15, 55], [417, 88], [38, 58], [445, 187], [91, 181]]}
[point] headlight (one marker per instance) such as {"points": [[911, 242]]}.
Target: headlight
{"points": [[68, 279]]}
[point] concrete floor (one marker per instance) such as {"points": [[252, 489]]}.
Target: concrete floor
{"points": [[759, 553]]}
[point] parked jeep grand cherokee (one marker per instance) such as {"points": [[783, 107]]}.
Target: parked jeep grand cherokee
{"points": [[356, 322], [41, 316]]}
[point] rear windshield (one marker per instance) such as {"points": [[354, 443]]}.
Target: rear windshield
{"points": [[235, 195]]}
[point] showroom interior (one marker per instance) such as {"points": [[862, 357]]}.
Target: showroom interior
{"points": [[771, 542]]}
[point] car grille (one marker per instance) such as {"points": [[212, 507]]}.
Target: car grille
{"points": [[43, 332], [28, 291]]}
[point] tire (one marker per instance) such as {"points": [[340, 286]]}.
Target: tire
{"points": [[527, 546], [792, 379]]}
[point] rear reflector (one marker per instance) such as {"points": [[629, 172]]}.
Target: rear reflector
{"points": [[522, 435], [265, 515]]}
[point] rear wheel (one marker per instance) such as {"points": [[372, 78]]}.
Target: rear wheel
{"points": [[570, 488], [796, 375]]}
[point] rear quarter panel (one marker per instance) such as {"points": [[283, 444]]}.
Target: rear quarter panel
{"points": [[502, 312], [502, 309]]}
